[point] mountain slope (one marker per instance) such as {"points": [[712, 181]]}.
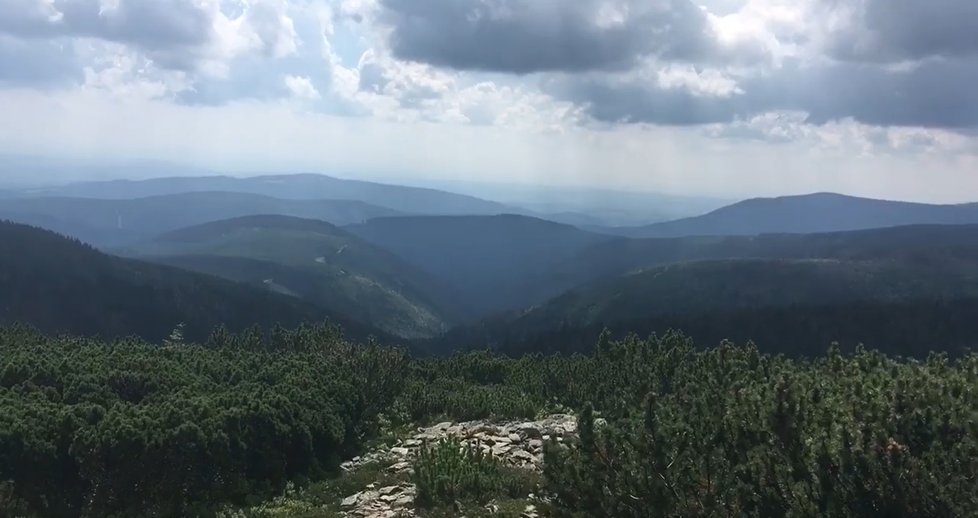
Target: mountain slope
{"points": [[822, 212], [742, 299], [297, 186], [932, 244], [316, 261], [110, 222], [495, 262], [700, 286], [61, 285]]}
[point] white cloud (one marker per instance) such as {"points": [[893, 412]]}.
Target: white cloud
{"points": [[301, 88], [698, 82]]}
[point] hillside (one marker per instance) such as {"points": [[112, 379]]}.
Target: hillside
{"points": [[315, 261], [930, 244], [703, 286], [495, 262], [115, 222], [821, 212], [769, 300], [295, 187], [60, 285]]}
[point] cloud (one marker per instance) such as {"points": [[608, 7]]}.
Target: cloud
{"points": [[900, 30], [543, 64], [934, 93], [275, 31], [669, 62], [524, 36], [167, 31], [301, 88]]}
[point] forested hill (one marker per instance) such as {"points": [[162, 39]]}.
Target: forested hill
{"points": [[316, 261], [61, 285], [906, 304], [935, 245]]}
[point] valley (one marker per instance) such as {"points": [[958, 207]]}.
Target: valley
{"points": [[493, 275]]}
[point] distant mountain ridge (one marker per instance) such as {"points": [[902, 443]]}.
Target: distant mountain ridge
{"points": [[303, 186], [811, 213], [117, 222]]}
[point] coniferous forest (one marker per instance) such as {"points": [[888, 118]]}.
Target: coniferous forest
{"points": [[665, 428]]}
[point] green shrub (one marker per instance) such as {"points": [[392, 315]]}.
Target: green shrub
{"points": [[449, 470]]}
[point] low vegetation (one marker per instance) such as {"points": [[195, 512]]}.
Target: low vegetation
{"points": [[127, 428], [450, 470]]}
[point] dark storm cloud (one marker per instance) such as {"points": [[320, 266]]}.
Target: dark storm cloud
{"points": [[167, 31], [524, 36], [937, 93], [899, 30]]}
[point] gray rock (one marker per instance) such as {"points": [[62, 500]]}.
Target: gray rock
{"points": [[402, 501], [515, 438], [390, 490], [501, 449], [523, 455], [400, 466], [351, 500]]}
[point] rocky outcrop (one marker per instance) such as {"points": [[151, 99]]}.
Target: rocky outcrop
{"points": [[514, 443], [385, 502]]}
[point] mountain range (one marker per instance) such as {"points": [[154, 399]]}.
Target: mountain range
{"points": [[436, 270]]}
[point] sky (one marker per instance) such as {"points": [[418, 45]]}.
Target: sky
{"points": [[727, 98]]}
